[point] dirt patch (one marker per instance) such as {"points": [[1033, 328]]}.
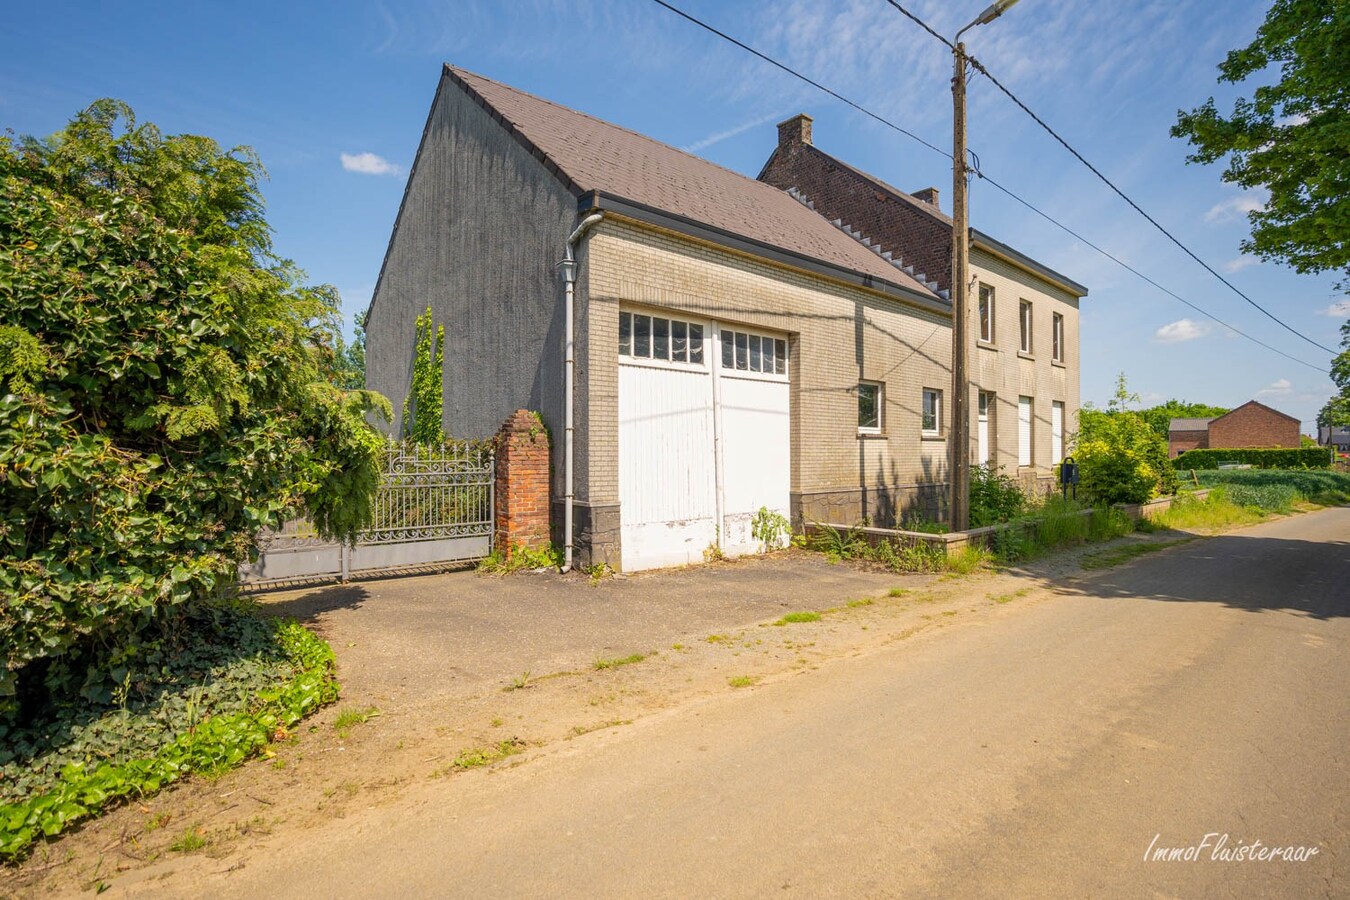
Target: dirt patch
{"points": [[457, 671]]}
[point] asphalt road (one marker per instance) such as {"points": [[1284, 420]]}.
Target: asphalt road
{"points": [[1039, 750]]}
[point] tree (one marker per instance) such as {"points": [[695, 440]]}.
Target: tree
{"points": [[1121, 459], [162, 394], [424, 407], [1336, 412], [1291, 138], [1160, 417]]}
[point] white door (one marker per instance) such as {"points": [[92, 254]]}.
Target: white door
{"points": [[678, 394], [753, 422], [982, 430], [1024, 431], [1056, 432]]}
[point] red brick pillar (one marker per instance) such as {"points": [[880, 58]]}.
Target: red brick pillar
{"points": [[521, 493]]}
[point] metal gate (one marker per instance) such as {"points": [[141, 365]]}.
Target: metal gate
{"points": [[433, 507]]}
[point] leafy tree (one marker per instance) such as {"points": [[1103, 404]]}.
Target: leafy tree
{"points": [[162, 395], [1292, 137], [1160, 417], [1337, 409], [350, 359], [1121, 459], [424, 407]]}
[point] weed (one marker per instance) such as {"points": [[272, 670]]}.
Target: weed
{"points": [[278, 763], [598, 572], [496, 722], [579, 730], [677, 647], [602, 663], [718, 639], [898, 592], [189, 841], [520, 682], [862, 601], [1008, 598], [157, 821], [477, 757], [797, 618], [348, 717], [1215, 513], [740, 681], [519, 558], [713, 553], [967, 560], [770, 528]]}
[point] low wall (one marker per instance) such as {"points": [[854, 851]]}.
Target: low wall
{"points": [[954, 541]]}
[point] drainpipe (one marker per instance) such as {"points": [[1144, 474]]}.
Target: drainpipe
{"points": [[568, 266]]}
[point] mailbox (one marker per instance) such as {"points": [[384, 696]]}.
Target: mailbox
{"points": [[1068, 471]]}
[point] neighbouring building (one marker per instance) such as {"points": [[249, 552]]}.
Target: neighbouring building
{"points": [[1337, 436], [1251, 425], [734, 351], [1024, 329]]}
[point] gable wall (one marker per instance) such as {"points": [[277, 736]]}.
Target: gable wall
{"points": [[1253, 426]]}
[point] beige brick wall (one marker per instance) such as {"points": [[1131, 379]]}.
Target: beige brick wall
{"points": [[838, 335], [1002, 369]]}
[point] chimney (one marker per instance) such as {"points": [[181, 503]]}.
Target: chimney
{"points": [[796, 130], [928, 195]]}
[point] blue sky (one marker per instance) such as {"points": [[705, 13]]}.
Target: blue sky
{"points": [[334, 95]]}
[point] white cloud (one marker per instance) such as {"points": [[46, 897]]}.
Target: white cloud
{"points": [[369, 164], [731, 132], [1180, 331], [1242, 262], [1339, 309], [1282, 387], [1234, 209]]}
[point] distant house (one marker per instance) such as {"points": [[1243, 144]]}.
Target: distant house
{"points": [[1251, 425], [734, 351], [1337, 436]]}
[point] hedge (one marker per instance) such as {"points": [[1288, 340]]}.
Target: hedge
{"points": [[1266, 458]]}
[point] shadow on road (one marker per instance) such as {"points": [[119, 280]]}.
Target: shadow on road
{"points": [[310, 605]]}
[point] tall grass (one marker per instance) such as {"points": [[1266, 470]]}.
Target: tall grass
{"points": [[1270, 488], [1215, 513]]}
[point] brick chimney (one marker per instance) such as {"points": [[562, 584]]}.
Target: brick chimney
{"points": [[928, 195], [796, 130]]}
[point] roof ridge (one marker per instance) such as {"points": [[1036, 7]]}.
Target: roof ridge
{"points": [[608, 124]]}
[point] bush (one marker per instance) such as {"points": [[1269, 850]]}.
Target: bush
{"points": [[1120, 458], [164, 394], [994, 497], [1266, 458]]}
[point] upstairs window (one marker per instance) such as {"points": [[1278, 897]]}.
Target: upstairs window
{"points": [[986, 314], [1057, 337], [1025, 319]]}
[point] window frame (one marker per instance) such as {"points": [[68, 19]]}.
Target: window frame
{"points": [[626, 344], [880, 408], [1025, 324], [985, 313], [740, 344], [936, 430], [1057, 337]]}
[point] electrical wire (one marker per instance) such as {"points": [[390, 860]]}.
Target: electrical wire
{"points": [[1044, 215]]}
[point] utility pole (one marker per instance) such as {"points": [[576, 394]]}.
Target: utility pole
{"points": [[958, 435], [958, 438]]}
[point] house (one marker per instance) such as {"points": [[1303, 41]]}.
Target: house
{"points": [[732, 350], [1024, 339], [1337, 436], [1251, 425]]}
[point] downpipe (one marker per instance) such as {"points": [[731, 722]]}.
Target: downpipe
{"points": [[568, 267]]}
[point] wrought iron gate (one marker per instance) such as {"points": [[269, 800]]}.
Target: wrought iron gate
{"points": [[433, 507]]}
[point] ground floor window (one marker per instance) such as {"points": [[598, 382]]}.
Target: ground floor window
{"points": [[869, 407], [1024, 431], [1056, 432], [932, 412]]}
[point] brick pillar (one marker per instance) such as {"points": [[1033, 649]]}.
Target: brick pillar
{"points": [[521, 501]]}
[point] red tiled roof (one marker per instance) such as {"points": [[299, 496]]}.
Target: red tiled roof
{"points": [[597, 155]]}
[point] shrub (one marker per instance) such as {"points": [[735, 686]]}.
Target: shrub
{"points": [[1265, 458], [994, 497], [165, 394], [1120, 458]]}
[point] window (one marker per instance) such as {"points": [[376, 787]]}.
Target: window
{"points": [[1056, 432], [869, 407], [654, 337], [753, 353], [1024, 431], [1057, 337], [1025, 316], [986, 314], [931, 423]]}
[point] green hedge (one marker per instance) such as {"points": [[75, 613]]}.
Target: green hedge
{"points": [[1266, 458]]}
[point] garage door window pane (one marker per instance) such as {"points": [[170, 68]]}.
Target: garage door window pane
{"points": [[756, 354], [768, 356], [728, 350], [679, 342], [642, 336], [660, 338], [696, 343], [742, 351], [780, 357], [625, 334]]}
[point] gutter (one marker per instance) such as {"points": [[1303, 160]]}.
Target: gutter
{"points": [[568, 267]]}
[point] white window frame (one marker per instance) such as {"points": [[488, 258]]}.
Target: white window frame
{"points": [[721, 329], [881, 407], [936, 430], [628, 359], [984, 319], [1056, 432], [1026, 432], [1057, 337], [1025, 321]]}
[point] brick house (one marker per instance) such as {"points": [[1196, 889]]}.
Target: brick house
{"points": [[732, 349], [1024, 339], [1251, 425]]}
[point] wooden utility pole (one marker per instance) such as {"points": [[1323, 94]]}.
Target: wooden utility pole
{"points": [[958, 437]]}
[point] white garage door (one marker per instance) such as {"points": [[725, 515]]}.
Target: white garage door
{"points": [[682, 385]]}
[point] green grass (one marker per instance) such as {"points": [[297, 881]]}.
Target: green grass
{"points": [[1010, 597], [519, 683], [718, 639], [1215, 513], [1321, 486], [477, 757], [603, 664], [188, 842], [797, 618], [741, 681], [898, 592], [967, 560], [862, 601], [346, 718], [1105, 559]]}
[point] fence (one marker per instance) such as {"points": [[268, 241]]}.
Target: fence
{"points": [[433, 507]]}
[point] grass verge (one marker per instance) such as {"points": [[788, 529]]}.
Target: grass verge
{"points": [[1118, 555]]}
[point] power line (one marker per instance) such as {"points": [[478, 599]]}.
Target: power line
{"points": [[889, 124], [979, 67]]}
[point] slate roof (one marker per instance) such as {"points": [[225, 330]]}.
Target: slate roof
{"points": [[593, 155], [1189, 425]]}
